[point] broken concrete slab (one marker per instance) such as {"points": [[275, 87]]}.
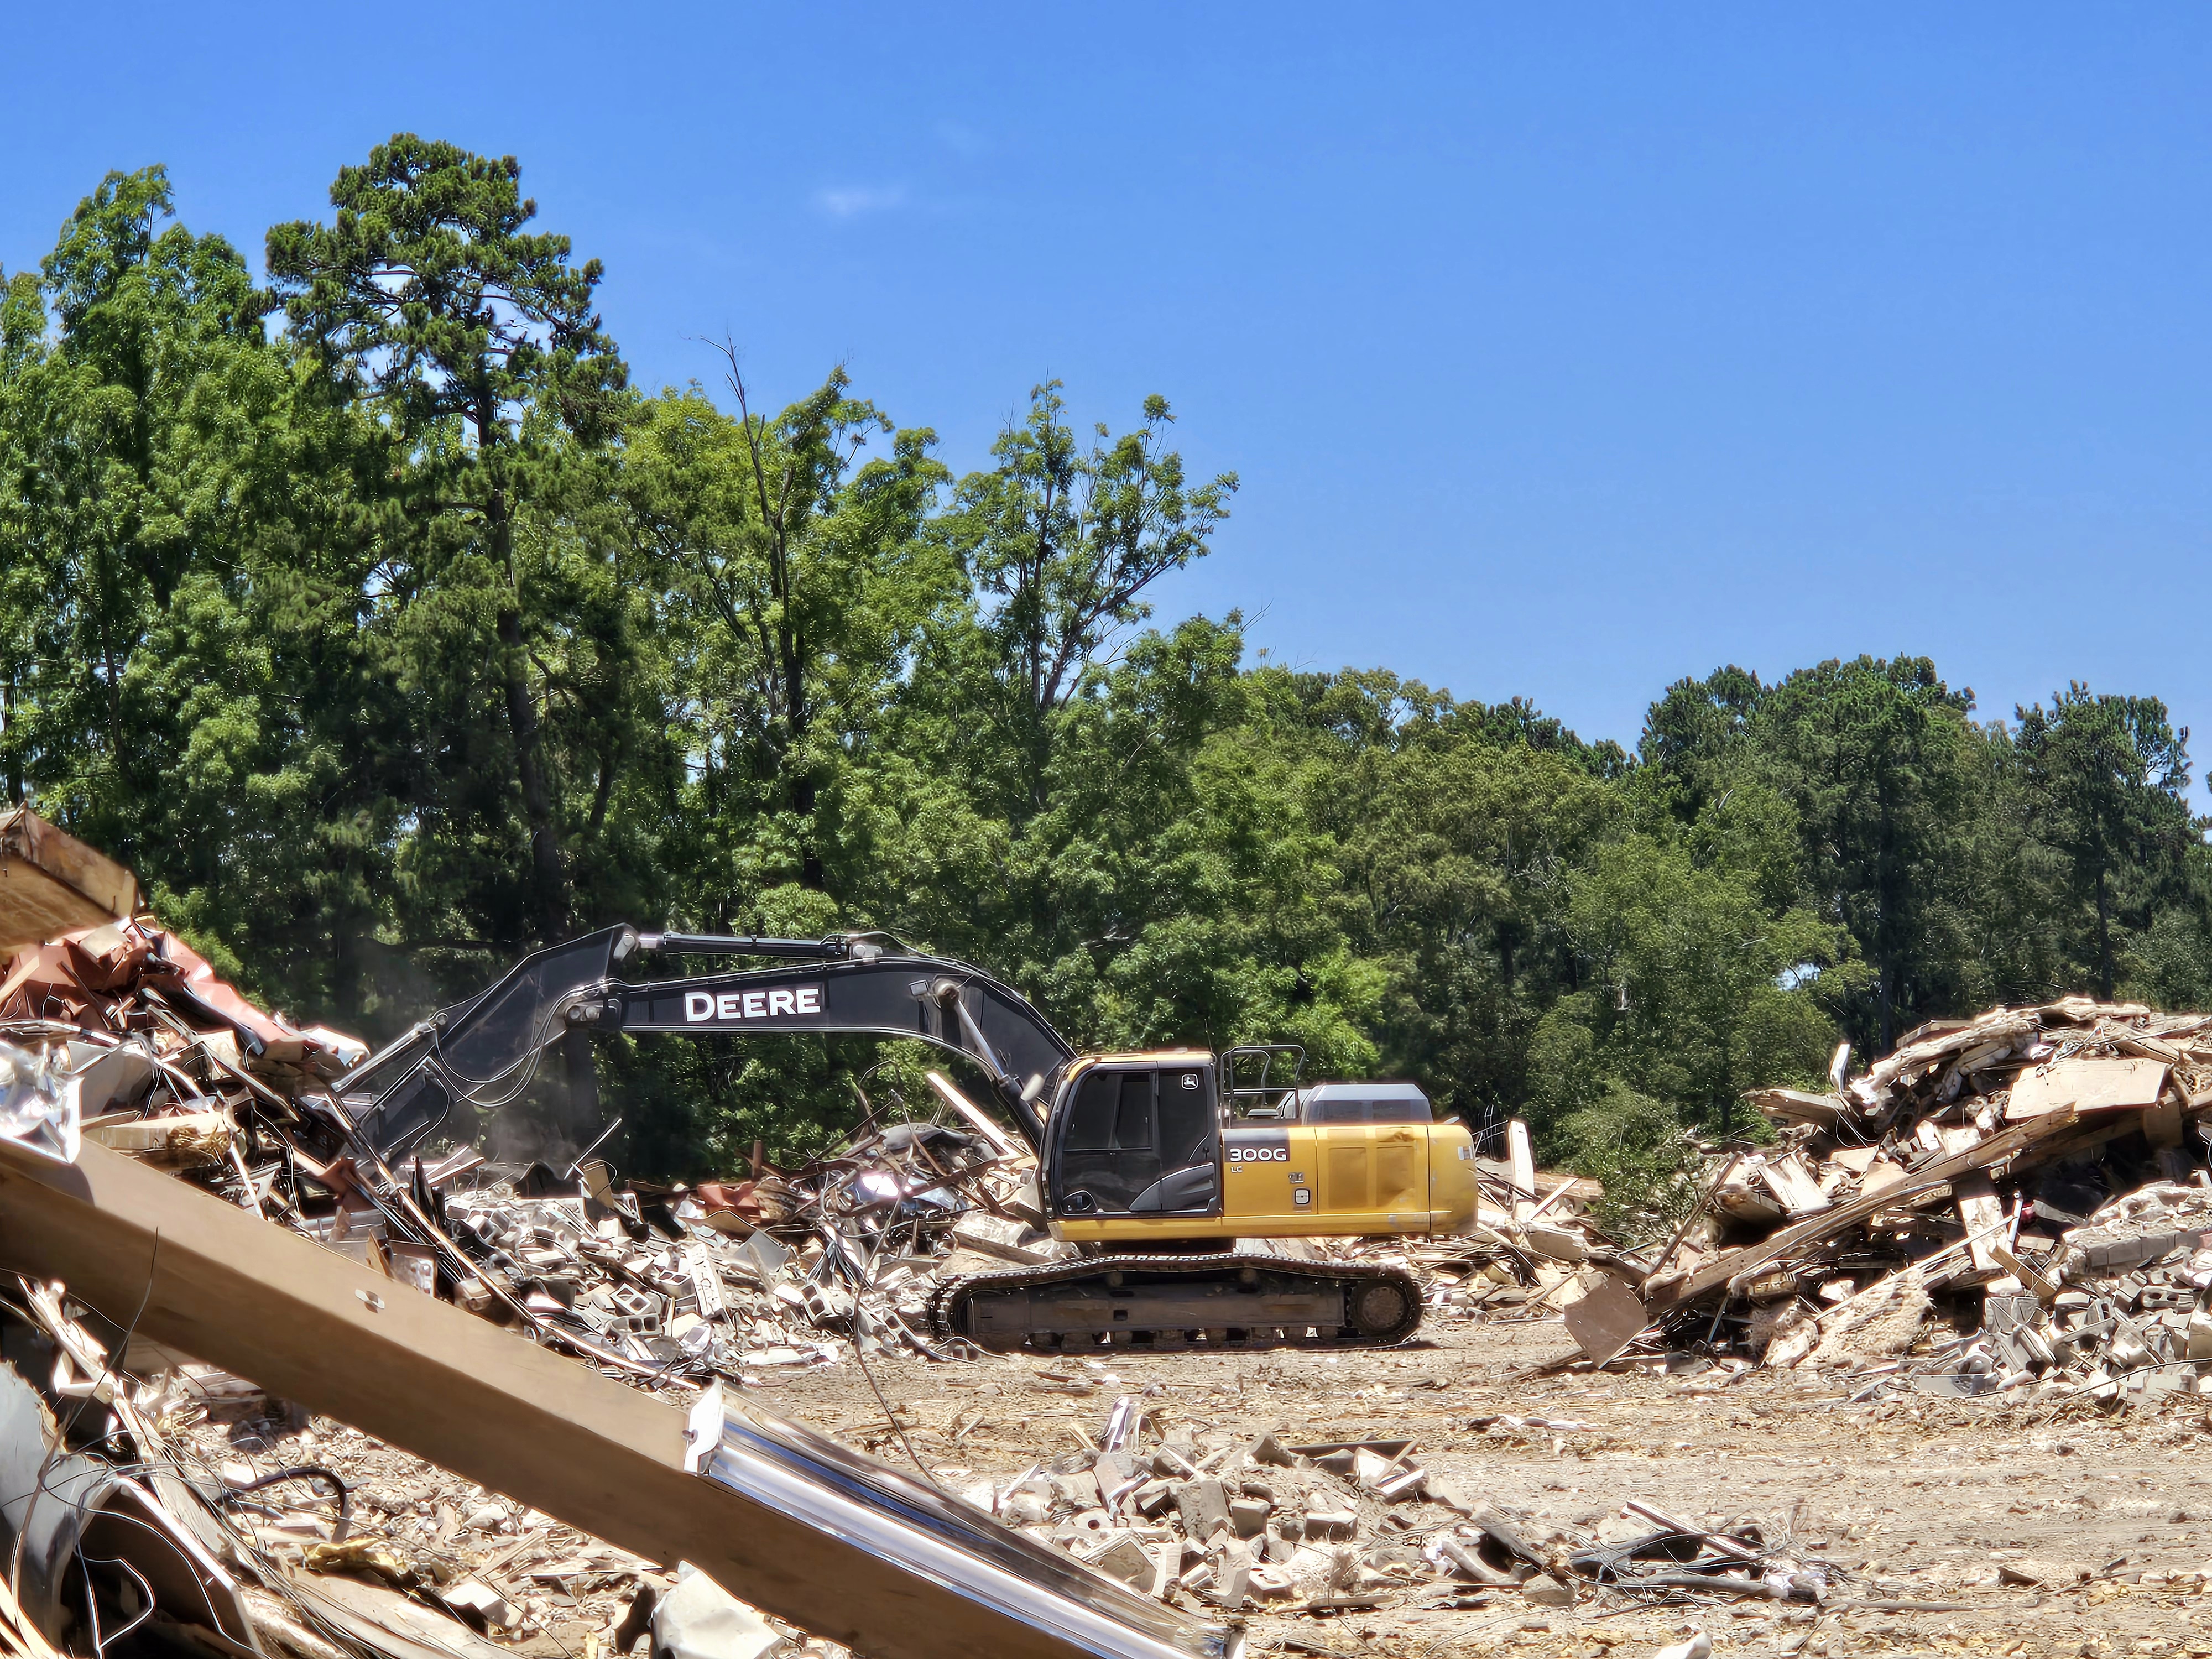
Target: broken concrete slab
{"points": [[1204, 1507], [1605, 1318], [699, 1619]]}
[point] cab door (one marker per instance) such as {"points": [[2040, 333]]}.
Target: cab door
{"points": [[1137, 1140]]}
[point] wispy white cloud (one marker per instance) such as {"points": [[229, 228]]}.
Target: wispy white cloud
{"points": [[850, 201]]}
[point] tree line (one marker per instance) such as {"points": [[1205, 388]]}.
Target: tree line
{"points": [[387, 630]]}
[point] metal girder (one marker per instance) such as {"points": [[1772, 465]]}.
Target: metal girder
{"points": [[787, 1519]]}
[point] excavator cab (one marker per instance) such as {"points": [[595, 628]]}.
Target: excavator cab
{"points": [[1139, 1135]]}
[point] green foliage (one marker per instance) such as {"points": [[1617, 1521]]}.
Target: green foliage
{"points": [[1874, 756], [472, 347], [388, 634], [1636, 1147], [794, 584], [1061, 542], [1694, 1007], [2107, 775]]}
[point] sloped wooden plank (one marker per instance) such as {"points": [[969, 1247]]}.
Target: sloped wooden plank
{"points": [[2086, 1084], [52, 884]]}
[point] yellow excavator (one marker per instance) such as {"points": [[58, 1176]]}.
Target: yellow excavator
{"points": [[1154, 1164]]}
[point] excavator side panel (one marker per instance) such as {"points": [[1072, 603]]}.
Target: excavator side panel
{"points": [[1346, 1156], [1360, 1179], [1264, 1168], [1452, 1186], [1374, 1176], [1402, 1172]]}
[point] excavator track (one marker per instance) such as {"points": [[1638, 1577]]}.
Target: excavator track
{"points": [[1165, 1301]]}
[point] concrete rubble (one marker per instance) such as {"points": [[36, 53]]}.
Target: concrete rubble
{"points": [[1239, 1524], [2014, 1203], [167, 1515], [338, 1532]]}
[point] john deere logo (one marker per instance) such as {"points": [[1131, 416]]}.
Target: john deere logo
{"points": [[699, 1006]]}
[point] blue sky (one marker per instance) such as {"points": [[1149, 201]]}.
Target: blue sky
{"points": [[1561, 355]]}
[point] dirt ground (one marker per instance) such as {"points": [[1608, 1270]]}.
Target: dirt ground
{"points": [[1920, 1500]]}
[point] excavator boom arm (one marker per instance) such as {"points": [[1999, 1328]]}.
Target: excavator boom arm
{"points": [[487, 1049]]}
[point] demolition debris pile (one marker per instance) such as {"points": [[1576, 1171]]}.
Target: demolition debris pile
{"points": [[193, 1503], [2028, 1174]]}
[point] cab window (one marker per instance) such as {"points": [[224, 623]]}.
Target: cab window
{"points": [[1329, 1106], [1186, 1119], [1112, 1114], [1140, 1140]]}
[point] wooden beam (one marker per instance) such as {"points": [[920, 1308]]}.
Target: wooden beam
{"points": [[1523, 1160], [845, 1548]]}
